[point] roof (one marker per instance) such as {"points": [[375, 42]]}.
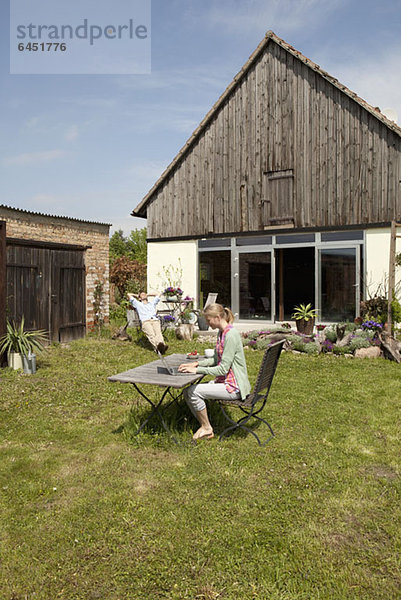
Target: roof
{"points": [[31, 212], [140, 211]]}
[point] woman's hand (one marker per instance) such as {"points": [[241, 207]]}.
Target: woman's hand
{"points": [[186, 368]]}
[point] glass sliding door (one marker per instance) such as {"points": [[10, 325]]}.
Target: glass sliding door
{"points": [[255, 285], [339, 284], [215, 276]]}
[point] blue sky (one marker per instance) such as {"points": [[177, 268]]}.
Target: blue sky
{"points": [[91, 146]]}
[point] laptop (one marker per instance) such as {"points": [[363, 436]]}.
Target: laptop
{"points": [[170, 370]]}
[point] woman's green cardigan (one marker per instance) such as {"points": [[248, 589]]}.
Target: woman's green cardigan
{"points": [[233, 356]]}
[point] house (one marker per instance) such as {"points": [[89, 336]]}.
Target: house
{"points": [[283, 194], [50, 268]]}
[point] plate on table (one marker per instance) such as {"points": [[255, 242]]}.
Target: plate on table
{"points": [[192, 356]]}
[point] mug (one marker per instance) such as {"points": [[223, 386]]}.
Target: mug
{"points": [[209, 353]]}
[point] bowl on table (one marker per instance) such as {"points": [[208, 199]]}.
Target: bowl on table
{"points": [[192, 355]]}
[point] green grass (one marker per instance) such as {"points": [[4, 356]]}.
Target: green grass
{"points": [[88, 510]]}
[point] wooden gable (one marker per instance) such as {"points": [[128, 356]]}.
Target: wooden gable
{"points": [[285, 145]]}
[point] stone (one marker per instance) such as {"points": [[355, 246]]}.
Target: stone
{"points": [[185, 331], [372, 352], [345, 340]]}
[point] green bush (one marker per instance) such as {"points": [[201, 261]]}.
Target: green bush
{"points": [[311, 348], [341, 350], [299, 345], [117, 312], [359, 342], [331, 334], [263, 343], [293, 339]]}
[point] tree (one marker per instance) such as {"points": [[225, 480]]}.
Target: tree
{"points": [[128, 274], [133, 246]]}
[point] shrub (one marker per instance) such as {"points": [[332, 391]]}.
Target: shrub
{"points": [[263, 343], [299, 345], [330, 334], [340, 350], [359, 342], [125, 271], [311, 348], [292, 338]]}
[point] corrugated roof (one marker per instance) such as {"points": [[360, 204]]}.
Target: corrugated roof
{"points": [[31, 212], [270, 36]]}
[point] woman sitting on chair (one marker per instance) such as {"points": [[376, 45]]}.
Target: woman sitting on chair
{"points": [[228, 366]]}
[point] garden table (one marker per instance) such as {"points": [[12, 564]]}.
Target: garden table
{"points": [[154, 373]]}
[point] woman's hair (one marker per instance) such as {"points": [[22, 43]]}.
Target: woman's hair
{"points": [[217, 310]]}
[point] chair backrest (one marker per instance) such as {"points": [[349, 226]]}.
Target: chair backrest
{"points": [[211, 299], [133, 318], [266, 372]]}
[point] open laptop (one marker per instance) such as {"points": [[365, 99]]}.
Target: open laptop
{"points": [[170, 370]]}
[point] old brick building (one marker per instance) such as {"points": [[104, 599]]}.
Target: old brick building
{"points": [[50, 269]]}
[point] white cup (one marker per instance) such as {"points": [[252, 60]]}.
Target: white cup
{"points": [[209, 353]]}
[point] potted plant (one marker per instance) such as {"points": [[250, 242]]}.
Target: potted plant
{"points": [[20, 345], [173, 294], [188, 316], [304, 316]]}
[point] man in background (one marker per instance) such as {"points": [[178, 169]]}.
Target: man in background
{"points": [[150, 322]]}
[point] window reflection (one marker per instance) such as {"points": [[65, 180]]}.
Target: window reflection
{"points": [[255, 285], [338, 279], [215, 276]]}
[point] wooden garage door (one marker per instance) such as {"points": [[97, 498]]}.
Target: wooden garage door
{"points": [[47, 286]]}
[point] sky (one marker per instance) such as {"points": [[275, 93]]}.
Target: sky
{"points": [[91, 146]]}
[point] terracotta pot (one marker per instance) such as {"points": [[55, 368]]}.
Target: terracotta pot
{"points": [[305, 327]]}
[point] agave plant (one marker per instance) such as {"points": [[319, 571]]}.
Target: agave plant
{"points": [[17, 339], [304, 312]]}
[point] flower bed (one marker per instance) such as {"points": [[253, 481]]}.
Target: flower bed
{"points": [[337, 339]]}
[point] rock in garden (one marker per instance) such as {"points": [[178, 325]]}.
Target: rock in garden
{"points": [[185, 331], [372, 352], [345, 340]]}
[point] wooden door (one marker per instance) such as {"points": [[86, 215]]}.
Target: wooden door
{"points": [[67, 295], [47, 287], [278, 198]]}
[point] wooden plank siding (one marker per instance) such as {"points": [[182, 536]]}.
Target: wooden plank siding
{"points": [[283, 116]]}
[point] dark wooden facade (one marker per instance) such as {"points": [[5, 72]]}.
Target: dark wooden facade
{"points": [[46, 284], [285, 145]]}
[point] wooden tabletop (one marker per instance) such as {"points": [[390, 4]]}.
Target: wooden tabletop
{"points": [[155, 374]]}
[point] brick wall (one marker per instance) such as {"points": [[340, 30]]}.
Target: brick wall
{"points": [[34, 226]]}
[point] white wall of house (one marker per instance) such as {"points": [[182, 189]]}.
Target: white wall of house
{"points": [[377, 252], [182, 255]]}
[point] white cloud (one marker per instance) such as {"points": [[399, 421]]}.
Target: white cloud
{"points": [[33, 158], [373, 78], [72, 133], [258, 16]]}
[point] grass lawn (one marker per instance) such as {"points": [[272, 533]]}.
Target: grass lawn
{"points": [[88, 511]]}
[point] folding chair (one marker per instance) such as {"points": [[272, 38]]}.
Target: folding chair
{"points": [[211, 299], [255, 402]]}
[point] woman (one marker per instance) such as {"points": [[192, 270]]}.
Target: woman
{"points": [[228, 366]]}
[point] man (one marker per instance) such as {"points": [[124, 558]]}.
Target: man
{"points": [[150, 322]]}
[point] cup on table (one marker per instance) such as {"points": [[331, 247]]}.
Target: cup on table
{"points": [[209, 353]]}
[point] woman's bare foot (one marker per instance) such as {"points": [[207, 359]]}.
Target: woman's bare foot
{"points": [[203, 433]]}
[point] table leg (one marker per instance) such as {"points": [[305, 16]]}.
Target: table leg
{"points": [[156, 410]]}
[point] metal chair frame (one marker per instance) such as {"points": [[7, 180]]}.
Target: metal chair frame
{"points": [[255, 402]]}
